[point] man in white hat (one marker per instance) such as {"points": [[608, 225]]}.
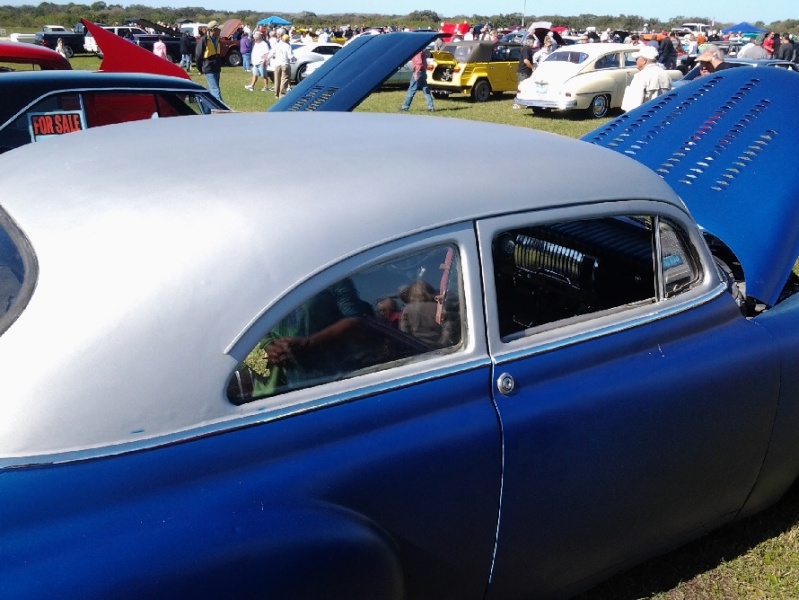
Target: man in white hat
{"points": [[260, 50], [649, 82]]}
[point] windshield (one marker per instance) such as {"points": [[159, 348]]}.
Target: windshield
{"points": [[461, 53]]}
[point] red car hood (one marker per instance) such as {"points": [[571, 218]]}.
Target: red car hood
{"points": [[31, 54]]}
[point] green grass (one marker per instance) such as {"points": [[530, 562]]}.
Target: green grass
{"points": [[757, 558]]}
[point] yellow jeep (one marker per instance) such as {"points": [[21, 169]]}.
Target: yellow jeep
{"points": [[476, 68]]}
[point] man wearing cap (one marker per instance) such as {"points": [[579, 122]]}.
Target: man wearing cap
{"points": [[282, 56], [650, 82], [209, 60], [754, 49], [711, 60]]}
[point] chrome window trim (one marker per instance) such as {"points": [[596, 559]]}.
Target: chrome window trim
{"points": [[263, 414], [564, 333]]}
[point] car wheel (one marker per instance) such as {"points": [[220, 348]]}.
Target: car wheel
{"points": [[234, 58], [301, 72], [68, 51], [600, 106], [481, 91]]}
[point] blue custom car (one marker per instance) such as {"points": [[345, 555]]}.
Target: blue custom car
{"points": [[402, 394]]}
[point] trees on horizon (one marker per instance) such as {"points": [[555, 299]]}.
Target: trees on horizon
{"points": [[30, 16]]}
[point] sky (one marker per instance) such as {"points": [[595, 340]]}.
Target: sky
{"points": [[723, 11]]}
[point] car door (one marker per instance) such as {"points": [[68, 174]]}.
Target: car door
{"points": [[392, 410], [636, 402], [630, 67]]}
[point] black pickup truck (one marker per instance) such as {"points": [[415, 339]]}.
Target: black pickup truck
{"points": [[229, 48], [73, 40]]}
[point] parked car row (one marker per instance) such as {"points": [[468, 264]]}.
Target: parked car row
{"points": [[134, 31], [588, 77], [585, 77]]}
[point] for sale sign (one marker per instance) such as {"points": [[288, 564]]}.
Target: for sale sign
{"points": [[55, 123]]}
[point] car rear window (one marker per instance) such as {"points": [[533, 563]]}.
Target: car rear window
{"points": [[568, 56], [16, 272]]}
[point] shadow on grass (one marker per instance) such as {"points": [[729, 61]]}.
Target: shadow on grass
{"points": [[666, 572]]}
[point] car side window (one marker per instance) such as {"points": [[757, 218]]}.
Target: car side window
{"points": [[629, 59], [17, 272], [609, 61], [398, 311], [563, 270], [54, 114]]}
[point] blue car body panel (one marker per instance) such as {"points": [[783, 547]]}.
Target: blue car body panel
{"points": [[722, 142], [626, 443], [353, 72], [297, 508], [782, 461]]}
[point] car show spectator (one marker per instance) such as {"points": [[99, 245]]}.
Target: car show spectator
{"points": [[541, 55], [245, 47], [693, 46], [649, 82], [711, 60], [61, 49], [769, 43], [667, 53], [526, 65], [159, 49], [282, 56], [754, 49], [787, 49], [418, 81], [209, 60], [260, 52], [186, 43]]}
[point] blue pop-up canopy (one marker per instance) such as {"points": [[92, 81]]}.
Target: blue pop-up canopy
{"points": [[743, 27], [273, 20]]}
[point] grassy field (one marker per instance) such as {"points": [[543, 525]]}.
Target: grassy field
{"points": [[757, 558]]}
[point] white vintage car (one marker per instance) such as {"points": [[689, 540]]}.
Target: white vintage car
{"points": [[589, 77]]}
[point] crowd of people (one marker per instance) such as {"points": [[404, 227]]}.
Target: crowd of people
{"points": [[267, 53]]}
